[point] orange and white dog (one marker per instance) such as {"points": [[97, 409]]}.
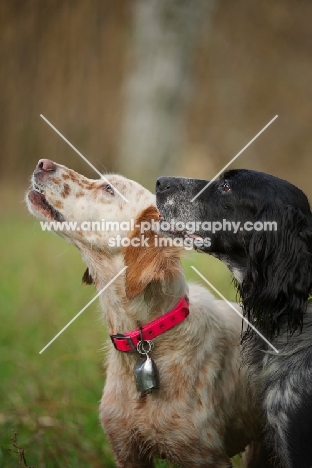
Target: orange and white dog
{"points": [[201, 414]]}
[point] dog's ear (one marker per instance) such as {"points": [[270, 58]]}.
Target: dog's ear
{"points": [[278, 279], [146, 261], [87, 278]]}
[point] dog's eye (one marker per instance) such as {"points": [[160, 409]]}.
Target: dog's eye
{"points": [[225, 186], [109, 189]]}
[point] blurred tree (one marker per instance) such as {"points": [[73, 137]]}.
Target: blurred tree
{"points": [[158, 85], [212, 79]]}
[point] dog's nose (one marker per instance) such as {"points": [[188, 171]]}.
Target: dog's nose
{"points": [[45, 165], [164, 184]]}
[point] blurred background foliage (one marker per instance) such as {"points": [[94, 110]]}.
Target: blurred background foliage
{"points": [[142, 88], [71, 61]]}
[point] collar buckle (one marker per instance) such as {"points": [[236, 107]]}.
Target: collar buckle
{"points": [[120, 336]]}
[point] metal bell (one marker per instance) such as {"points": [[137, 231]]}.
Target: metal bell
{"points": [[146, 375]]}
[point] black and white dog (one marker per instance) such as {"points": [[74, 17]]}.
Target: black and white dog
{"points": [[273, 270]]}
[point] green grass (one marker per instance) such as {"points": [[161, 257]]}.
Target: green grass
{"points": [[51, 400]]}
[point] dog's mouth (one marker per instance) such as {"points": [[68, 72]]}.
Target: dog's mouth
{"points": [[38, 200]]}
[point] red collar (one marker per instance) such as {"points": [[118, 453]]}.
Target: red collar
{"points": [[129, 341]]}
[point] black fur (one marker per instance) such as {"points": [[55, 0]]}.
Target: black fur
{"points": [[87, 278], [274, 278]]}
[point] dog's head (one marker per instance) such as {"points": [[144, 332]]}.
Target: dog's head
{"points": [[93, 215], [94, 208], [271, 251]]}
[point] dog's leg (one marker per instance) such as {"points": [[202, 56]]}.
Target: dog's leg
{"points": [[136, 460], [214, 462], [134, 464], [130, 457], [128, 452]]}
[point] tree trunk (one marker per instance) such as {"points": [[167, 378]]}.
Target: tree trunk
{"points": [[158, 86]]}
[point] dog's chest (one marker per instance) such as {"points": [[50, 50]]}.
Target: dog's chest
{"points": [[153, 416]]}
